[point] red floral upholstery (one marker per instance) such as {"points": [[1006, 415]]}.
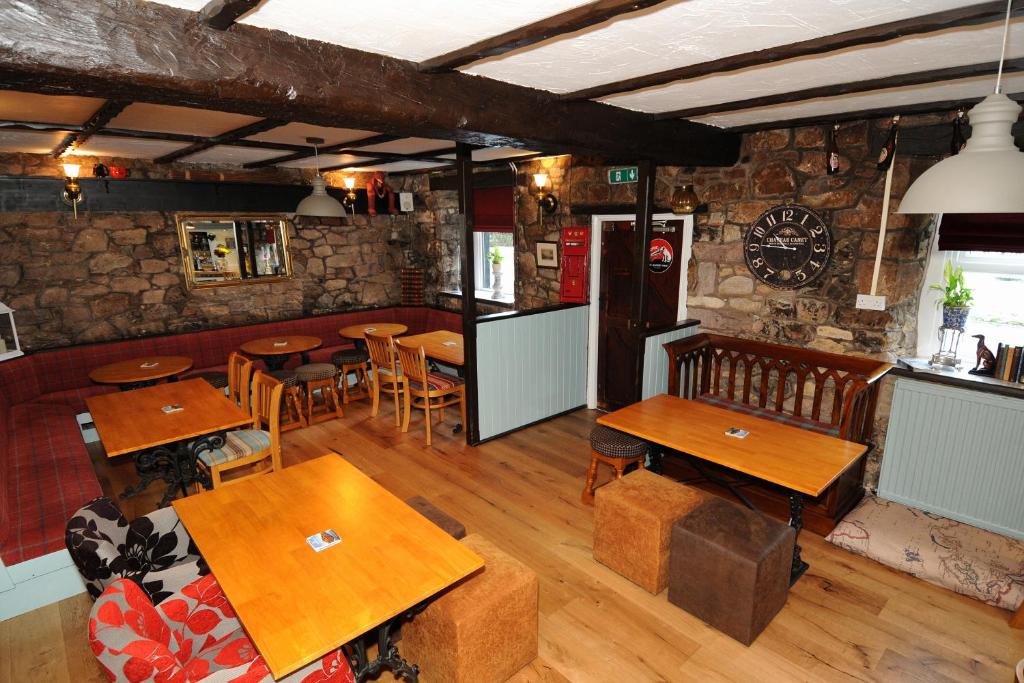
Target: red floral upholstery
{"points": [[190, 636]]}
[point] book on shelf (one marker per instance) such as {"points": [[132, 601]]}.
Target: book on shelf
{"points": [[1009, 365]]}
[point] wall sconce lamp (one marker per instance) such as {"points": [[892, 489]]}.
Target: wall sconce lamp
{"points": [[72, 189], [349, 201], [545, 200], [684, 200]]}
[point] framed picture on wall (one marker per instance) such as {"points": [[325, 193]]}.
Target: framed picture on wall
{"points": [[547, 254]]}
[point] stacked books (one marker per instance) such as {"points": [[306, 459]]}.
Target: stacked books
{"points": [[1009, 363]]}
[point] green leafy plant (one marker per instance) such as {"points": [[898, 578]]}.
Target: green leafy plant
{"points": [[955, 293], [494, 256]]}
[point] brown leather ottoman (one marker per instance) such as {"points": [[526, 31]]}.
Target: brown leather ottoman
{"points": [[633, 519], [483, 629], [451, 526], [730, 567]]}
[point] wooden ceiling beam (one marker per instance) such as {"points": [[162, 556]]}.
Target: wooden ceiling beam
{"points": [[898, 81], [271, 74], [39, 126], [339, 148], [962, 16], [100, 118], [230, 136], [569, 21], [222, 14]]}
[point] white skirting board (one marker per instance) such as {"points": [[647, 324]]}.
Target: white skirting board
{"points": [[38, 582]]}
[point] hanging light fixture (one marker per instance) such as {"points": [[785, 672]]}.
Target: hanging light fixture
{"points": [[319, 204], [684, 200], [988, 175]]}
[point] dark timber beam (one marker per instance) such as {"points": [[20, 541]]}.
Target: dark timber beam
{"points": [[145, 51], [569, 21], [340, 148], [230, 136], [222, 14], [902, 80], [107, 111], [962, 16], [464, 174]]}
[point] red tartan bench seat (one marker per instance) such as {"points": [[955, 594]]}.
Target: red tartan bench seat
{"points": [[45, 470]]}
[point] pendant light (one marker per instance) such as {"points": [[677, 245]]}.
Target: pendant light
{"points": [[988, 175], [319, 204]]}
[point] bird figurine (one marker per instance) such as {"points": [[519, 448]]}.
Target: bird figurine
{"points": [[986, 364]]}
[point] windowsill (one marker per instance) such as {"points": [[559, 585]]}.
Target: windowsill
{"points": [[484, 296], [918, 368]]}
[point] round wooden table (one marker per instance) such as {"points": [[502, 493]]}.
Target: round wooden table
{"points": [[358, 332], [140, 372], [275, 350]]}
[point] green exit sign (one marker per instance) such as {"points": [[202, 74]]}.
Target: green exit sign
{"points": [[620, 176]]}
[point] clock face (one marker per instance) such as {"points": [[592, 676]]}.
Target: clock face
{"points": [[788, 247]]}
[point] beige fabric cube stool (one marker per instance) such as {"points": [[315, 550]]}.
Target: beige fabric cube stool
{"points": [[633, 519], [483, 629]]}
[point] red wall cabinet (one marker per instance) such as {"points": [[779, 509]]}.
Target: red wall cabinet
{"points": [[575, 264]]}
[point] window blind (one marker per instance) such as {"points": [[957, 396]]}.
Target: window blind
{"points": [[982, 232], [493, 209]]}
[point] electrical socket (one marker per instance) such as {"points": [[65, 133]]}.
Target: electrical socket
{"points": [[871, 303]]}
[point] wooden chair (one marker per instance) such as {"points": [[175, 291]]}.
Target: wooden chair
{"points": [[239, 376], [387, 376], [258, 448], [435, 390]]}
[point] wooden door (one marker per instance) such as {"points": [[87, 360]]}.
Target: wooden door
{"points": [[617, 346], [666, 248]]}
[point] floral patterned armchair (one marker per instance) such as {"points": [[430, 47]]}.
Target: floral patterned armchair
{"points": [[154, 551], [193, 635]]}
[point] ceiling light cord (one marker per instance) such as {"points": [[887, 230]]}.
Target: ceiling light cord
{"points": [[1002, 54]]}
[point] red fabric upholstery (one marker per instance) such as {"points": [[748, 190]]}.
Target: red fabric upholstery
{"points": [[784, 418]]}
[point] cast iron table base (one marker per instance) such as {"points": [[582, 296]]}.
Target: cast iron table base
{"points": [[176, 464], [388, 656]]}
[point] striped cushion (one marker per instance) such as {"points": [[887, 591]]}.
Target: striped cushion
{"points": [[285, 377], [767, 413], [350, 357], [438, 381], [315, 371], [615, 444], [238, 444]]}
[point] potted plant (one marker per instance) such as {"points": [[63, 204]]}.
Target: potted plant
{"points": [[495, 257], [956, 297]]}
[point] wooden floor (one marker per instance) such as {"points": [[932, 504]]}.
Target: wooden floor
{"points": [[847, 619]]}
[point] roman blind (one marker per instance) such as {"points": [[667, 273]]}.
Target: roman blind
{"points": [[982, 232], [493, 209]]}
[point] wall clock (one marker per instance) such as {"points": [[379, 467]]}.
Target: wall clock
{"points": [[788, 247]]}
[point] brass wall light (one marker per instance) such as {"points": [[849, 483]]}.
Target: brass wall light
{"points": [[349, 200], [72, 193], [545, 200], [684, 199]]}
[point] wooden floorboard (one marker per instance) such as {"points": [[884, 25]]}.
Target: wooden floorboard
{"points": [[847, 619]]}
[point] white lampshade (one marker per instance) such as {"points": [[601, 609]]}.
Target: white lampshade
{"points": [[319, 203], [986, 177]]}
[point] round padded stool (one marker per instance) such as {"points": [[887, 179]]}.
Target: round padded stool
{"points": [[357, 361], [291, 405], [319, 378], [613, 448], [217, 380]]}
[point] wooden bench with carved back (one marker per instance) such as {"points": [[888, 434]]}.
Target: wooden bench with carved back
{"points": [[830, 393]]}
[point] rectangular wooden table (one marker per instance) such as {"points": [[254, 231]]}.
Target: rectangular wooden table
{"points": [[165, 445], [297, 604], [442, 345], [799, 460]]}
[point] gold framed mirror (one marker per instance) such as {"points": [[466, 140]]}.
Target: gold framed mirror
{"points": [[219, 250]]}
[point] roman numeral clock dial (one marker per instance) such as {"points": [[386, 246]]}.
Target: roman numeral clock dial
{"points": [[788, 247]]}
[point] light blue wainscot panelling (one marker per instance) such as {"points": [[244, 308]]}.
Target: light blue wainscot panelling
{"points": [[656, 360], [957, 453], [530, 367]]}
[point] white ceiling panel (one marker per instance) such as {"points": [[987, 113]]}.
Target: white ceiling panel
{"points": [[162, 118], [954, 47], [689, 32], [25, 106], [129, 148], [296, 134], [877, 99], [397, 166], [409, 146], [325, 161], [29, 141], [233, 156], [407, 29]]}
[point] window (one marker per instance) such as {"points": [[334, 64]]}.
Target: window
{"points": [[485, 246]]}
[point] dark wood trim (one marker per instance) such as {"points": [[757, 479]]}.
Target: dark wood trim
{"points": [[962, 16], [340, 148], [464, 170], [496, 317], [985, 385], [38, 126], [569, 21], [680, 325], [195, 139], [611, 209], [449, 183], [229, 136], [222, 14], [271, 74], [898, 81], [100, 118], [515, 160], [532, 424], [646, 181]]}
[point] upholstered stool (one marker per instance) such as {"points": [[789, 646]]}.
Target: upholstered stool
{"points": [[292, 416], [357, 361], [633, 519], [451, 526], [217, 380], [482, 630], [730, 567], [319, 378], [613, 448]]}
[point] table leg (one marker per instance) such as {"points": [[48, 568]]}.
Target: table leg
{"points": [[388, 656], [461, 372], [128, 386], [796, 520], [276, 362], [175, 464]]}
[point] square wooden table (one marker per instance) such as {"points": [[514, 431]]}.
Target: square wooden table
{"points": [[799, 460], [165, 445], [443, 345], [298, 604]]}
